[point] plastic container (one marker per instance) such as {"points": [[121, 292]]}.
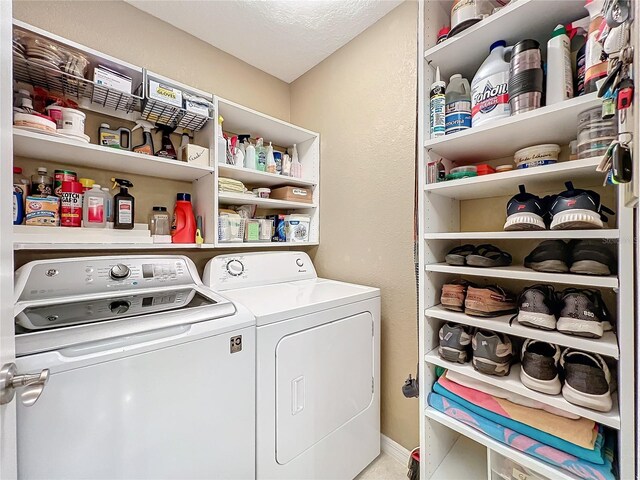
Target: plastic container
{"points": [[504, 168], [109, 204], [457, 116], [34, 121], [73, 121], [262, 192], [55, 113], [95, 207], [266, 229], [559, 71], [537, 155], [183, 228], [595, 134], [159, 221], [230, 228], [465, 13], [261, 156], [484, 169], [489, 88], [462, 172], [297, 228]]}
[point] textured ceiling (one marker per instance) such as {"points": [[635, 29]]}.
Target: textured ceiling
{"points": [[282, 37]]}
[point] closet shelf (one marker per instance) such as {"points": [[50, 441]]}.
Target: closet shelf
{"points": [[465, 52], [255, 178], [607, 345], [605, 233], [242, 199], [106, 246], [234, 246], [70, 152], [501, 138], [513, 384], [518, 272], [475, 460], [517, 456], [538, 179]]}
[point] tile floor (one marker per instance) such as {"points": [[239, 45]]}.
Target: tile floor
{"points": [[385, 467]]}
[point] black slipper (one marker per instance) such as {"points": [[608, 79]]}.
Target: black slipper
{"points": [[457, 255], [486, 255]]}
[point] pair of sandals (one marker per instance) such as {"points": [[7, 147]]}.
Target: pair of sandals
{"points": [[485, 256]]}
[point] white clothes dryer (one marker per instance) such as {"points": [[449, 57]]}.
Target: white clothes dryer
{"points": [[318, 364]]}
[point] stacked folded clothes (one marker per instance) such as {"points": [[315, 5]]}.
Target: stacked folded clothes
{"points": [[229, 185], [573, 444]]}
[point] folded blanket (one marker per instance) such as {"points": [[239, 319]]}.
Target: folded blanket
{"points": [[582, 432], [481, 386], [590, 455], [557, 458]]}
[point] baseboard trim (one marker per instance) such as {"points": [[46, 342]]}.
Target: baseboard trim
{"points": [[394, 449]]}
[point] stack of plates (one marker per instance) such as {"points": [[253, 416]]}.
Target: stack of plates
{"points": [[44, 53], [18, 48]]}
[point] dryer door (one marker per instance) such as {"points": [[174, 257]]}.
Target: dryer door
{"points": [[324, 378]]}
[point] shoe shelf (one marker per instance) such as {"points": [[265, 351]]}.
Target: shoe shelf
{"points": [[500, 138], [605, 233], [513, 384], [517, 272], [546, 178], [607, 345], [517, 456]]}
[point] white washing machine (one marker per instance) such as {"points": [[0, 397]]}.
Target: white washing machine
{"points": [[318, 364], [151, 374]]}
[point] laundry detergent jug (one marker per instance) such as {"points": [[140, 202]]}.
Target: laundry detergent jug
{"points": [[490, 87]]}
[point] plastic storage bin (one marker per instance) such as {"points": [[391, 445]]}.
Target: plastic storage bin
{"points": [[503, 468], [595, 134], [231, 229]]}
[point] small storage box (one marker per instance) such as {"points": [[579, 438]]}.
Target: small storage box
{"points": [[292, 194]]}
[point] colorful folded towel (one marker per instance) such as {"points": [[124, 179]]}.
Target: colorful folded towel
{"points": [[555, 457]]}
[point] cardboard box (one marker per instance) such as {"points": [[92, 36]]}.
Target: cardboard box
{"points": [[165, 93], [42, 211], [195, 155], [109, 78], [292, 194]]}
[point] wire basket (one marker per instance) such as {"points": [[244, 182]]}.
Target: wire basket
{"points": [[231, 229]]}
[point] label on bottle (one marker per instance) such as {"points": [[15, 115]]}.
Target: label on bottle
{"points": [[95, 210], [595, 67], [125, 211], [71, 209], [457, 116], [490, 98], [436, 112], [16, 208]]}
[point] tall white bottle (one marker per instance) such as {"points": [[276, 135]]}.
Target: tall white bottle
{"points": [[250, 156], [559, 71]]}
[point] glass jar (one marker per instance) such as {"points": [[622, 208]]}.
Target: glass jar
{"points": [[159, 221]]}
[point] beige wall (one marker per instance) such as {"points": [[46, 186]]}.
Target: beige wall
{"points": [[362, 100]]}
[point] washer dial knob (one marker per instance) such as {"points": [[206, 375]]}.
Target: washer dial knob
{"points": [[119, 272], [235, 268], [119, 306]]}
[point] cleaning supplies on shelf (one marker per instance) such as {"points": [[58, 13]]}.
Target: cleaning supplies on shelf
{"points": [[42, 211], [437, 102], [250, 156], [123, 205], [71, 204], [60, 176], [114, 138], [286, 165], [18, 207], [160, 225], [457, 105], [230, 185], [525, 77], [86, 183], [559, 71], [146, 146], [261, 155], [595, 66], [296, 166], [271, 166], [279, 231], [577, 32], [167, 150], [183, 227], [95, 208], [41, 183], [489, 88]]}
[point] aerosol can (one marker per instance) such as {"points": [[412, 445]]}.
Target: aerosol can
{"points": [[146, 146]]}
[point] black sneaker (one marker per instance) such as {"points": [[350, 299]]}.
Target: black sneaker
{"points": [[525, 211], [551, 256], [492, 353], [592, 257], [583, 313], [454, 342], [539, 367], [587, 380], [537, 307], [577, 209]]}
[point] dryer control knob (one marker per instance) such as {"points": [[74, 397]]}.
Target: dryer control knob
{"points": [[235, 268], [119, 272]]}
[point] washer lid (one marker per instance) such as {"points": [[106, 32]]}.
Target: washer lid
{"points": [[274, 303]]}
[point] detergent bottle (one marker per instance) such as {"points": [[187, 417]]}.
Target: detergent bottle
{"points": [[146, 146], [183, 228], [458, 105], [490, 87]]}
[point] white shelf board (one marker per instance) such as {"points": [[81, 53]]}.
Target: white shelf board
{"points": [[546, 178], [465, 459], [104, 246], [501, 138], [522, 458], [607, 345], [513, 384], [225, 198], [261, 179], [608, 233], [240, 120], [265, 244], [70, 152], [465, 52], [519, 272]]}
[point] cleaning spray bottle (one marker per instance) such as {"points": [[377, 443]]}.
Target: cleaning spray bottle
{"points": [[123, 205], [296, 166], [437, 101], [271, 161], [167, 150], [146, 146]]}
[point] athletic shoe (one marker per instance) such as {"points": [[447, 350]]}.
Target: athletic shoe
{"points": [[454, 294], [577, 209], [587, 380], [539, 367], [525, 211], [592, 257], [454, 342], [552, 256], [492, 353], [537, 307], [490, 301], [583, 313]]}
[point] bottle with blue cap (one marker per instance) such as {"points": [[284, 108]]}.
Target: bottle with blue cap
{"points": [[183, 227], [490, 87]]}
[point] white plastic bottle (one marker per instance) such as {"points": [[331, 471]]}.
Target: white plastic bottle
{"points": [[250, 156], [490, 87], [271, 161], [559, 71], [458, 105], [94, 208], [436, 106], [296, 166]]}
